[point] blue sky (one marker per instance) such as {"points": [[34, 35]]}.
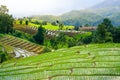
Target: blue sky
{"points": [[45, 7]]}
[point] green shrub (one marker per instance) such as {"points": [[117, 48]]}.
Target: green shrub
{"points": [[46, 49], [71, 43], [23, 35], [2, 57]]}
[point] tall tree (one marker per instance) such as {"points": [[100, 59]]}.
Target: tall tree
{"points": [[40, 36], [6, 20], [104, 31], [26, 22], [116, 35], [101, 31], [6, 23], [108, 25], [76, 28], [21, 22], [3, 9], [2, 58]]}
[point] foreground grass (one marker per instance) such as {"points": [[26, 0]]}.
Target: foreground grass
{"points": [[87, 62]]}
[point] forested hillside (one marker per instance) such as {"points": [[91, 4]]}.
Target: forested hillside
{"points": [[92, 16]]}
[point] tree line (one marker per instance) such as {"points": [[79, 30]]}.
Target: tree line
{"points": [[105, 32]]}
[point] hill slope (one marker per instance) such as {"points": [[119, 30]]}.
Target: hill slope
{"points": [[91, 62], [20, 47], [107, 3], [92, 16]]}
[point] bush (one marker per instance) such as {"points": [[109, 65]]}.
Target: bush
{"points": [[2, 57], [44, 23], [46, 49], [36, 22], [54, 23], [54, 43], [23, 35], [17, 34], [71, 43], [87, 40]]}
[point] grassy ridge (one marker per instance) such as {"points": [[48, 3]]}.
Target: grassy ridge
{"points": [[87, 62]]}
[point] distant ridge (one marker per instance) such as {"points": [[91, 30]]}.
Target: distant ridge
{"points": [[92, 16], [107, 4]]}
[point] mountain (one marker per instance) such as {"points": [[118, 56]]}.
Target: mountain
{"points": [[108, 4], [78, 18], [93, 15], [49, 18]]}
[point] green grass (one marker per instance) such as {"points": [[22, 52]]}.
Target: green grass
{"points": [[7, 47], [48, 26], [102, 63], [1, 35], [84, 35]]}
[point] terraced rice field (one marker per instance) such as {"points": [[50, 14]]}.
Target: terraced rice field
{"points": [[19, 43], [91, 62], [49, 26]]}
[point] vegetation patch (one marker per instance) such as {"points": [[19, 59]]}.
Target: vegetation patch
{"points": [[89, 63]]}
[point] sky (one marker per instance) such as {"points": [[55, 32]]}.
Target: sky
{"points": [[20, 8]]}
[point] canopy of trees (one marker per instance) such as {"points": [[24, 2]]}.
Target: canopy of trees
{"points": [[3, 9], [39, 37], [6, 20], [106, 32]]}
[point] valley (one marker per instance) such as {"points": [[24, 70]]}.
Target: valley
{"points": [[77, 45]]}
